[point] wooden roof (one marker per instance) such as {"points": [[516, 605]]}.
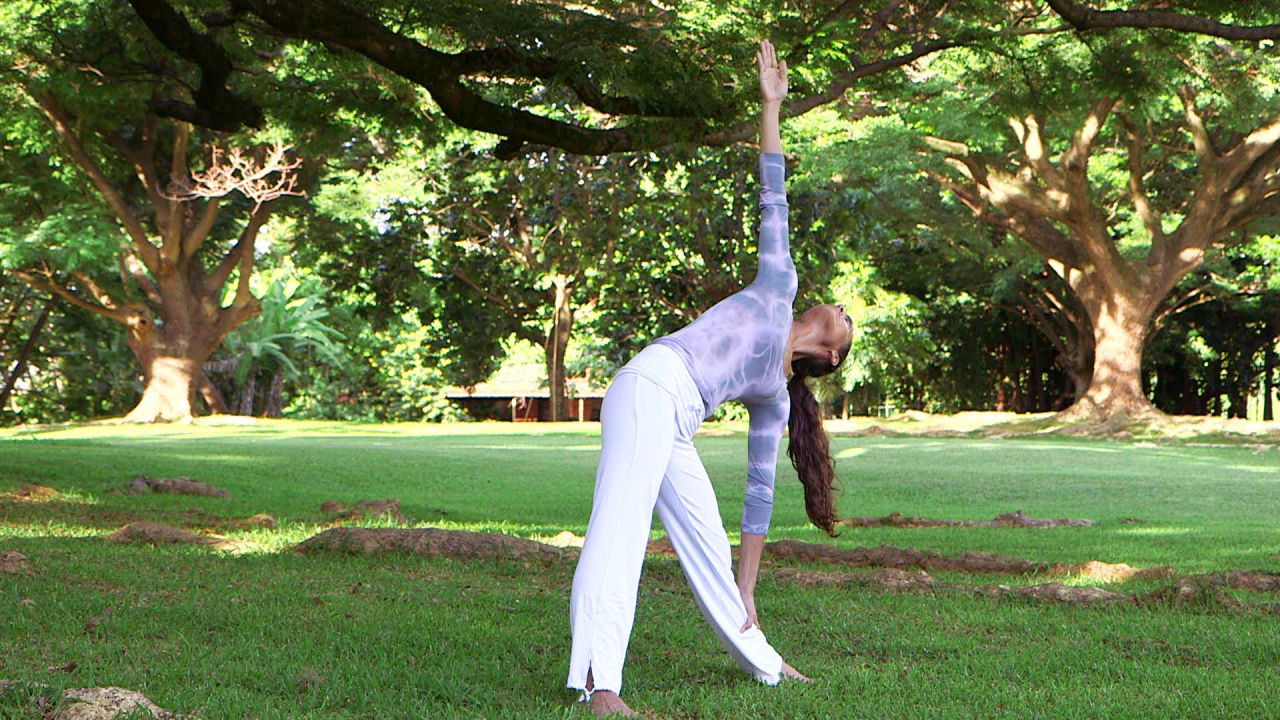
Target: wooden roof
{"points": [[529, 381]]}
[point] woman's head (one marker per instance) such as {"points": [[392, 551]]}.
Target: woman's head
{"points": [[823, 333], [822, 342]]}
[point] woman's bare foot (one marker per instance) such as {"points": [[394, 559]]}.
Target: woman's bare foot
{"points": [[607, 702], [790, 672]]}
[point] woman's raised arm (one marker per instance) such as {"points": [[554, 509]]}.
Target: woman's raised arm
{"points": [[773, 88]]}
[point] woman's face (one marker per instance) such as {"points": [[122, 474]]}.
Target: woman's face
{"points": [[835, 327]]}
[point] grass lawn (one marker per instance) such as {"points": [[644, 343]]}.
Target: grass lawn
{"points": [[273, 634]]}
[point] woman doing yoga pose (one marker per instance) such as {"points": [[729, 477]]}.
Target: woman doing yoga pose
{"points": [[744, 348]]}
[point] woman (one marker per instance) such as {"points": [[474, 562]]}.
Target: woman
{"points": [[743, 349]]}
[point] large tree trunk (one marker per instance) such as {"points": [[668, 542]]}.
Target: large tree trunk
{"points": [[557, 341], [1114, 390], [172, 371], [169, 389]]}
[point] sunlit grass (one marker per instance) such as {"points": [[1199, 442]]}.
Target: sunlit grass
{"points": [[262, 631]]}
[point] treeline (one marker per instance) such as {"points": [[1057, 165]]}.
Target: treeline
{"points": [[1027, 207]]}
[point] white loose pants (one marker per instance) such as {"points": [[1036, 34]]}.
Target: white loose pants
{"points": [[647, 459]]}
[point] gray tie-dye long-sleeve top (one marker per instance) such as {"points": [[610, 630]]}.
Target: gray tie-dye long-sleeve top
{"points": [[734, 351]]}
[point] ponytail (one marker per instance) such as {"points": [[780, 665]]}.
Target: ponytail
{"points": [[809, 447]]}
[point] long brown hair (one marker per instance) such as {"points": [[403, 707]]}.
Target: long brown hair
{"points": [[809, 447]]}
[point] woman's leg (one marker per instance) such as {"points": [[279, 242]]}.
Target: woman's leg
{"points": [[688, 509], [637, 432]]}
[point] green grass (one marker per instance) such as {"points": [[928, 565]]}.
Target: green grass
{"points": [[270, 633]]}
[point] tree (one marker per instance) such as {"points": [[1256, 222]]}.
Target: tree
{"points": [[660, 74], [1125, 208], [528, 247], [168, 301], [1121, 295]]}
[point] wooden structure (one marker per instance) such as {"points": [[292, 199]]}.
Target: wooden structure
{"points": [[519, 393]]}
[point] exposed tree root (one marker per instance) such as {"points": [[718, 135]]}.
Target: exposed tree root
{"points": [[1203, 591], [366, 509], [157, 534], [889, 556], [142, 485], [431, 542], [106, 703], [1016, 519], [98, 703]]}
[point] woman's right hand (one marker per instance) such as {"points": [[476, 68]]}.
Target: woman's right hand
{"points": [[773, 74]]}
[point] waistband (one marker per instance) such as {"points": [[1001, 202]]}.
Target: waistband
{"points": [[665, 368]]}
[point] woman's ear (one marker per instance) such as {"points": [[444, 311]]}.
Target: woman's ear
{"points": [[833, 357]]}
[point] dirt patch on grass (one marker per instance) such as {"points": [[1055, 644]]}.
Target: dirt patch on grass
{"points": [[431, 542], [15, 563], [1016, 519], [181, 485], [150, 533], [33, 493]]}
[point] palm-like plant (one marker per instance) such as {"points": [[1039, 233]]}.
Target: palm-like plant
{"points": [[290, 325]]}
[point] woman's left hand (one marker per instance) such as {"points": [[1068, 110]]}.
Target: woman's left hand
{"points": [[773, 74], [750, 603]]}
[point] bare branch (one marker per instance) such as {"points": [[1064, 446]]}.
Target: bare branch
{"points": [[1028, 132], [236, 171], [490, 296], [243, 246], [1075, 161], [93, 287]]}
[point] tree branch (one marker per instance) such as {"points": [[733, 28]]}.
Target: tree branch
{"points": [[491, 297], [1085, 18], [215, 105], [196, 237], [48, 285], [62, 122], [172, 230], [1199, 135], [1028, 132], [1150, 216], [130, 267], [243, 247]]}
